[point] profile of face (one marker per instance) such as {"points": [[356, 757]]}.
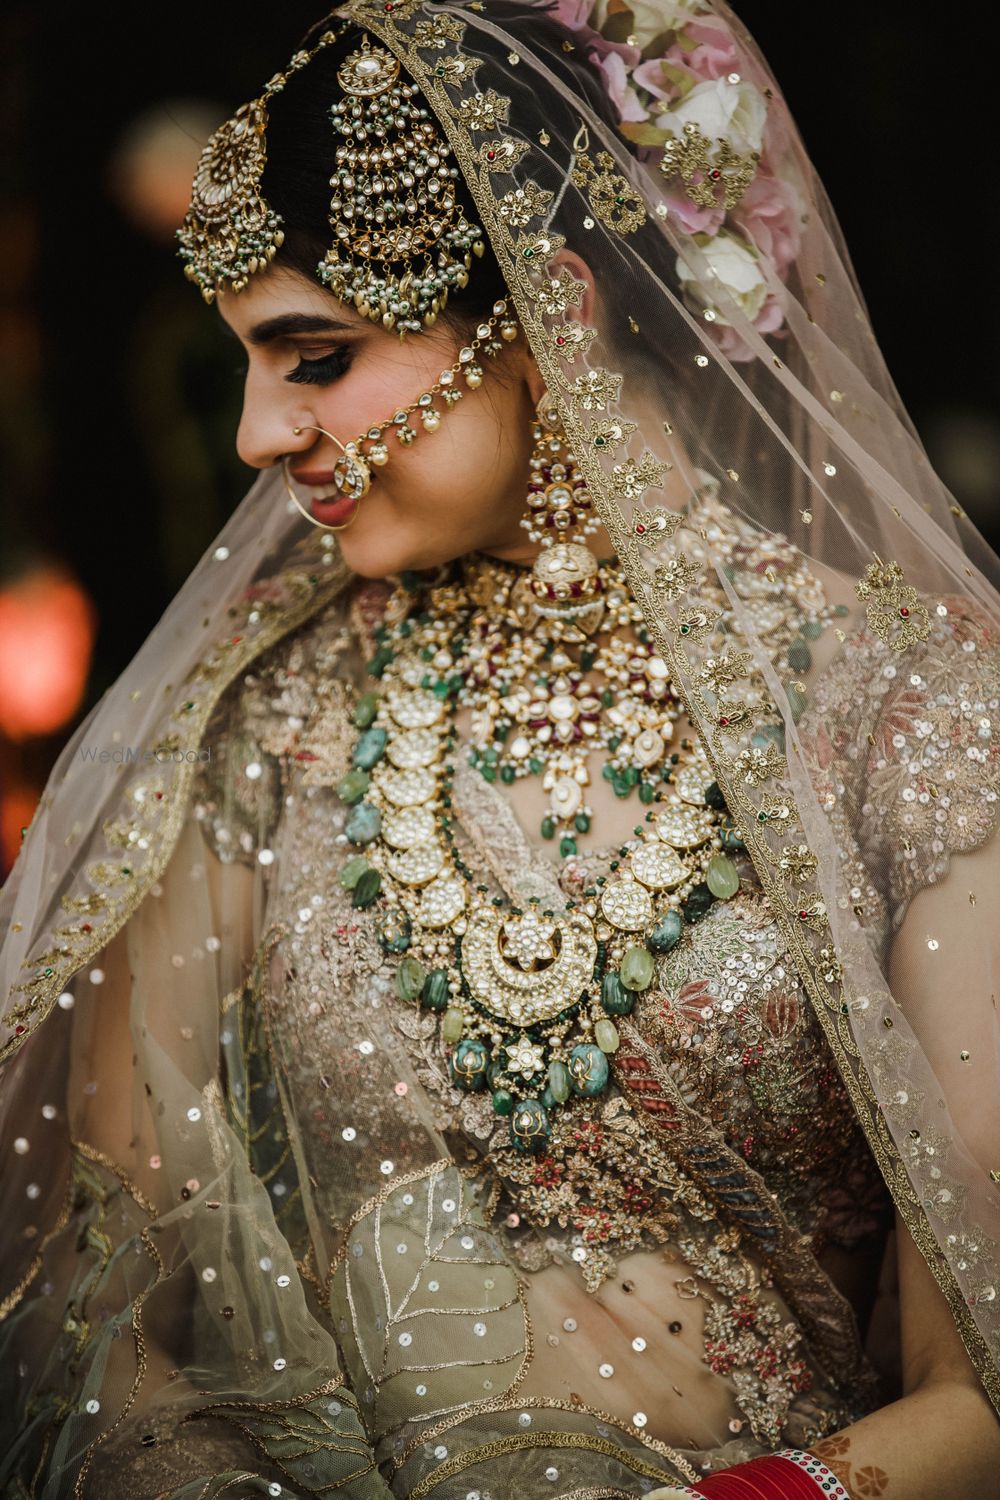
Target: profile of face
{"points": [[314, 362]]}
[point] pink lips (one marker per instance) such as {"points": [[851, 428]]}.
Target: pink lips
{"points": [[336, 511]]}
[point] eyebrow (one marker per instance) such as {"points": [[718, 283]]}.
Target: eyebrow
{"points": [[287, 324]]}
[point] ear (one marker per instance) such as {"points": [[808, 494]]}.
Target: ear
{"points": [[584, 310]]}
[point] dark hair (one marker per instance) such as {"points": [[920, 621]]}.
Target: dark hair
{"points": [[301, 143]]}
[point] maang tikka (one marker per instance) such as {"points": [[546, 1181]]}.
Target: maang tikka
{"points": [[402, 243]]}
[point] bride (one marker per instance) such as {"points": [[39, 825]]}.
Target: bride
{"points": [[499, 994]]}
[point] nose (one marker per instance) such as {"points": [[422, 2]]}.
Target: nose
{"points": [[267, 425]]}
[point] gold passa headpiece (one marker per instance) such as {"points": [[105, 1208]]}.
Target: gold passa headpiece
{"points": [[401, 240]]}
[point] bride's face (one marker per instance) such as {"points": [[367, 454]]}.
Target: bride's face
{"points": [[312, 362]]}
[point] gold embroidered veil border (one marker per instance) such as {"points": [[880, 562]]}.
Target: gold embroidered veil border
{"points": [[868, 801]]}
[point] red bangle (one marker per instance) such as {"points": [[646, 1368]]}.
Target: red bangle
{"points": [[788, 1475]]}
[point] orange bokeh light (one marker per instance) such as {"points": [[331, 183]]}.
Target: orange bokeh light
{"points": [[47, 626]]}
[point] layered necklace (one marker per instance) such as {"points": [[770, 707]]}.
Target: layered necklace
{"points": [[552, 668]]}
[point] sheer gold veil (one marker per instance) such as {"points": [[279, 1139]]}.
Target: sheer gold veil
{"points": [[729, 378]]}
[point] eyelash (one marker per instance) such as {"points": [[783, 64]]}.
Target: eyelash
{"points": [[323, 371]]}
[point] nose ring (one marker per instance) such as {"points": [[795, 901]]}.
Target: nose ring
{"points": [[351, 474]]}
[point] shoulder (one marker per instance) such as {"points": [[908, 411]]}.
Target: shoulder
{"points": [[903, 728]]}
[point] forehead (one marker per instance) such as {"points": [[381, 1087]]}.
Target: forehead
{"points": [[280, 294]]}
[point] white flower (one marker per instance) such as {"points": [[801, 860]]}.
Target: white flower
{"points": [[736, 271], [525, 1057], [733, 112], [651, 17]]}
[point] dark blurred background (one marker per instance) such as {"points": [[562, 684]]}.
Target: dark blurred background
{"points": [[119, 395]]}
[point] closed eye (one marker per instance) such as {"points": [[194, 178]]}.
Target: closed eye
{"points": [[322, 371]]}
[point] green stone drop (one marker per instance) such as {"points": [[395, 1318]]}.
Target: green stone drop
{"points": [[370, 748], [394, 931], [507, 774], [453, 1025], [503, 1101], [559, 1082], [548, 828], [812, 629], [364, 824], [798, 699], [410, 978], [547, 1099], [616, 999], [714, 797], [582, 823], [722, 877], [353, 786], [647, 792], [366, 888], [606, 1036], [365, 710], [588, 1070], [698, 904], [799, 656], [353, 870], [434, 994], [529, 1126], [637, 968], [469, 1063], [488, 773], [567, 846], [730, 836], [535, 766], [666, 934]]}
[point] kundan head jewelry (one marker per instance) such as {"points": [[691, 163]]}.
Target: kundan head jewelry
{"points": [[401, 240]]}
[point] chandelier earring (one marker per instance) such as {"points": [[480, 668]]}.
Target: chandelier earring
{"points": [[565, 580]]}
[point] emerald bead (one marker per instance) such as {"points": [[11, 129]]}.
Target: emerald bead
{"points": [[646, 792], [488, 773], [587, 659], [548, 828], [547, 1099], [697, 904], [666, 934], [529, 1126], [606, 1036], [799, 656], [507, 774], [714, 797], [394, 931], [353, 870], [588, 1070], [798, 699], [352, 787], [503, 1101], [730, 836], [364, 824], [410, 977], [370, 748], [637, 969], [608, 698], [620, 784], [535, 766], [559, 1082], [453, 1025], [469, 1063], [365, 710], [379, 662], [434, 994], [567, 846], [812, 629], [366, 888], [722, 877], [616, 999]]}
